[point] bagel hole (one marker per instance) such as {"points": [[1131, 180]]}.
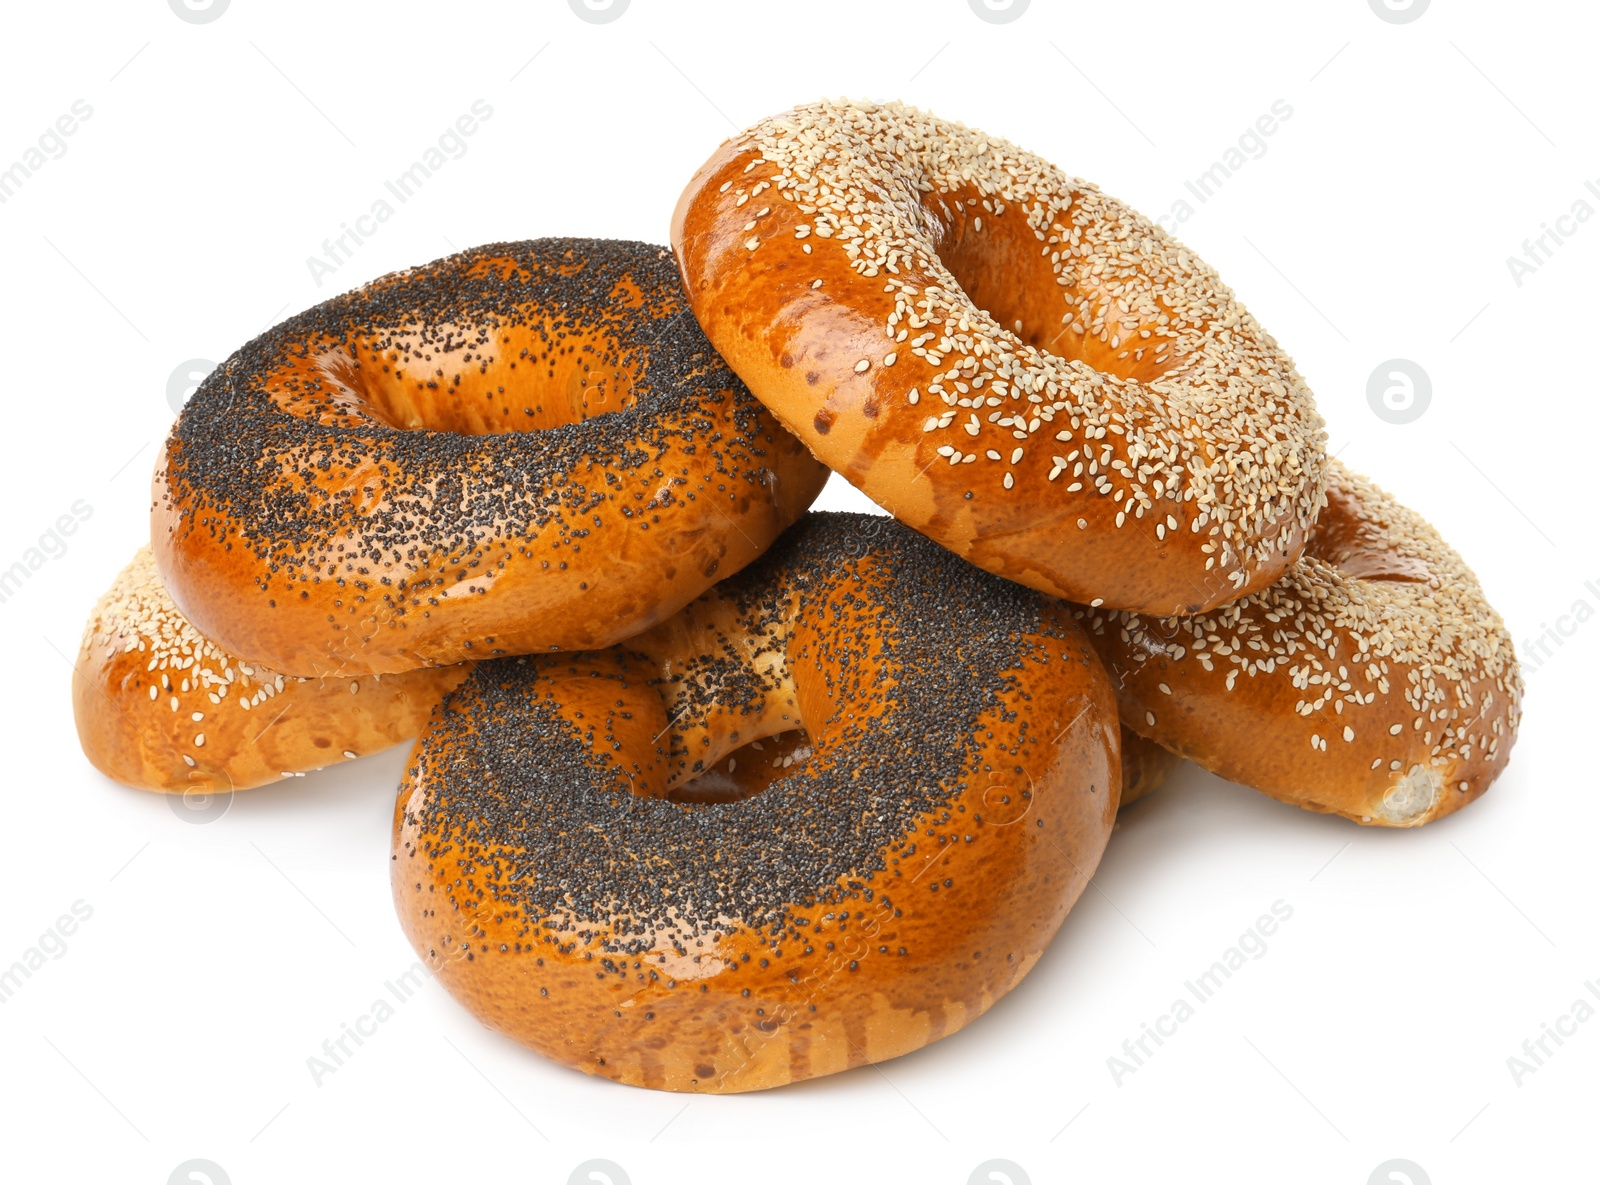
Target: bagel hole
{"points": [[507, 380], [1360, 549], [1002, 267], [748, 770]]}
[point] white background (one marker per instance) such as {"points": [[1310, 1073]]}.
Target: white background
{"points": [[177, 224]]}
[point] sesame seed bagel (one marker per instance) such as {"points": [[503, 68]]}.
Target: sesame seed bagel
{"points": [[578, 863], [1025, 370], [161, 707], [526, 446], [1373, 681]]}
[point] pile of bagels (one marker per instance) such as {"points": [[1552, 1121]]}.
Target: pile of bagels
{"points": [[711, 792]]}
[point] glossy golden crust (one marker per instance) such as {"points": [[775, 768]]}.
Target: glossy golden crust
{"points": [[1009, 361], [160, 707], [524, 447], [1373, 681], [885, 888], [1146, 766]]}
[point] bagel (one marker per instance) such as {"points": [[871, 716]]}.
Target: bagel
{"points": [[527, 446], [1373, 681], [161, 707], [1016, 365], [1146, 766], [954, 790]]}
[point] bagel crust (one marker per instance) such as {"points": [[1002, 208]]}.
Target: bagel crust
{"points": [[161, 707], [1011, 362], [527, 446], [635, 863], [1373, 681], [1146, 766]]}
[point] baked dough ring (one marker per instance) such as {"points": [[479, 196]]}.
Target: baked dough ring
{"points": [[1008, 360], [1146, 766], [1373, 681], [882, 892], [161, 707], [527, 446]]}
